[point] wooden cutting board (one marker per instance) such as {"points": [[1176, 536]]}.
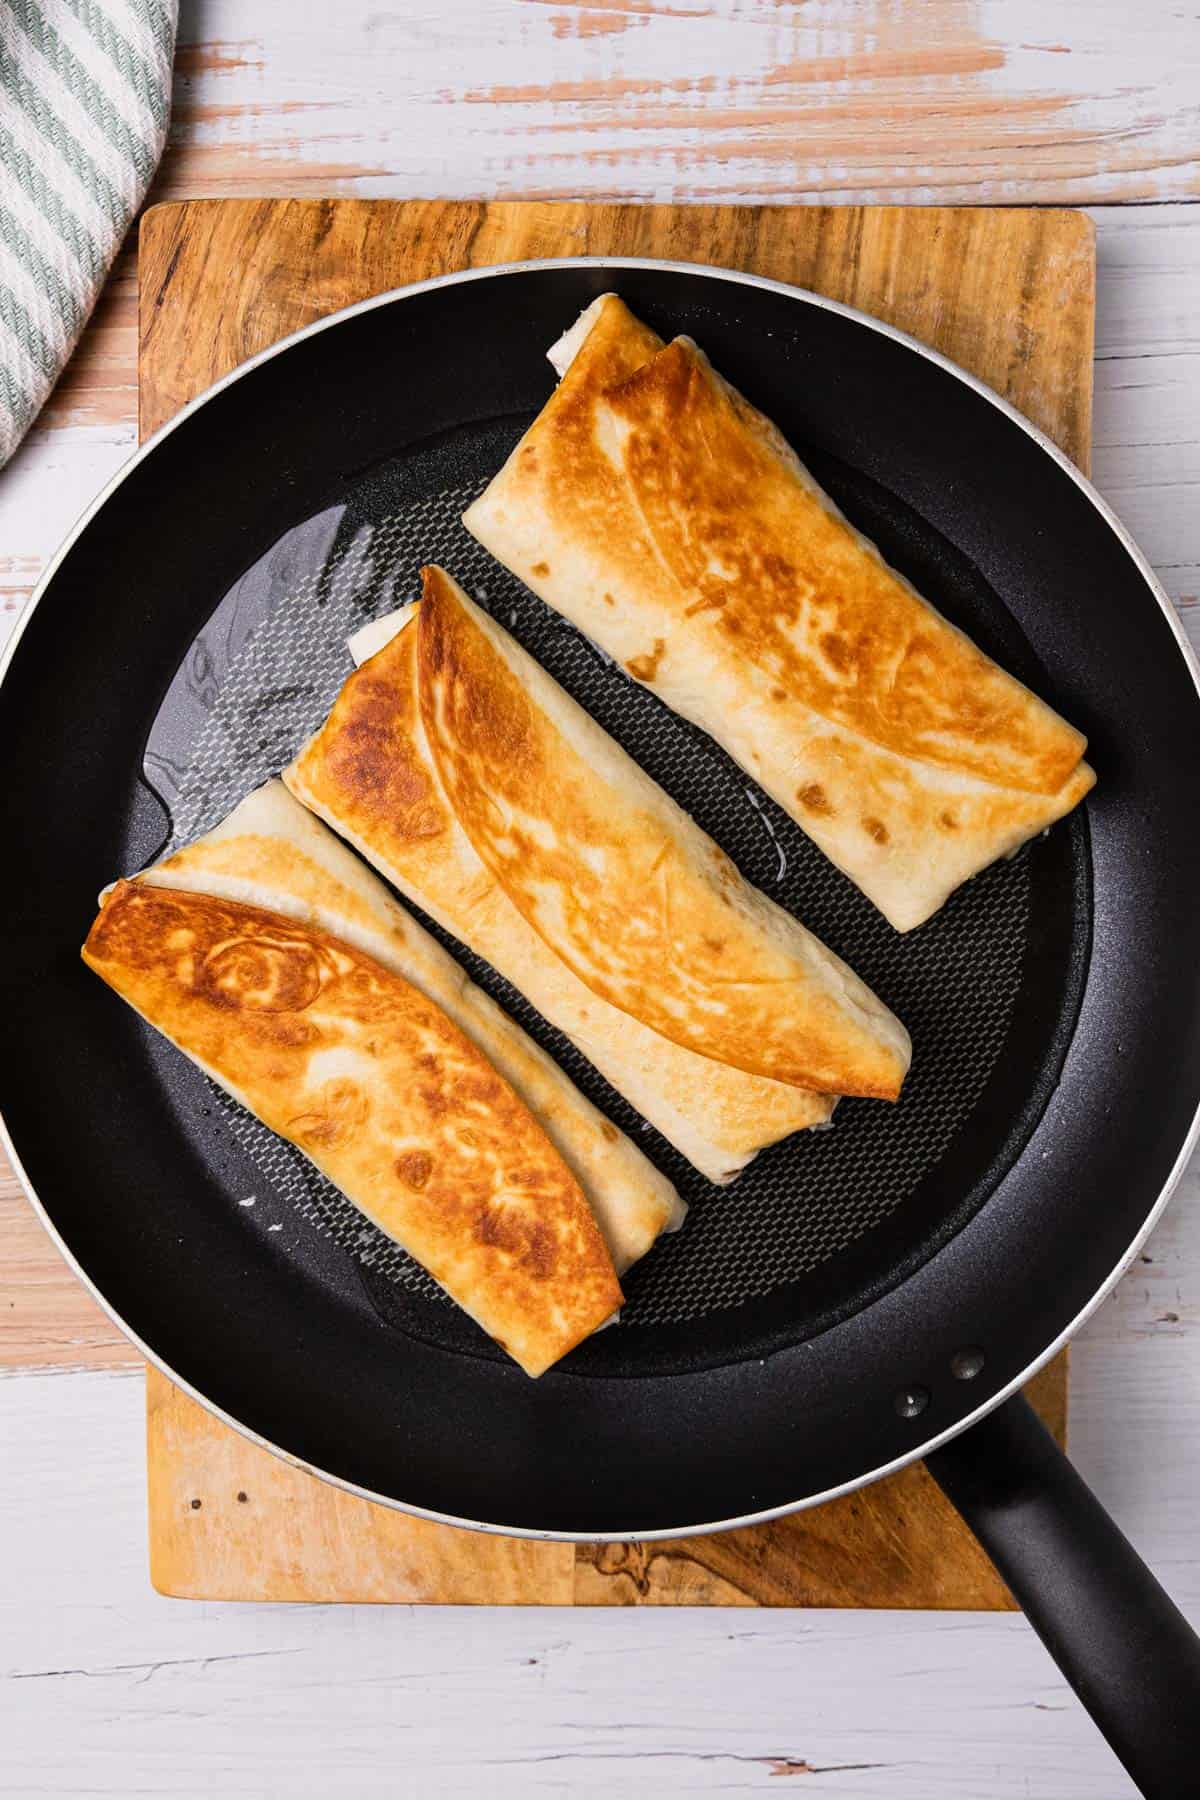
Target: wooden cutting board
{"points": [[1009, 294]]}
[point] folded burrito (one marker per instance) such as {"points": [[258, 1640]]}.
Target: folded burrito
{"points": [[670, 521], [369, 773], [272, 853], [621, 884], [382, 1091]]}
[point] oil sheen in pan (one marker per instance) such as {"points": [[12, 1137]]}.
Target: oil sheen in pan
{"points": [[814, 1210]]}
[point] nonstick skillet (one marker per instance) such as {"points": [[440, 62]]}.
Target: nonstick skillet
{"points": [[860, 1296]]}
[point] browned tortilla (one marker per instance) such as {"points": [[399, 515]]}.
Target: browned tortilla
{"points": [[386, 1096], [659, 511], [622, 885], [369, 773]]}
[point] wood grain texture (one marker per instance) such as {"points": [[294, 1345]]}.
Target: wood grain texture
{"points": [[1008, 295], [48, 1319], [971, 101], [265, 1530], [855, 100], [232, 1522], [898, 1543]]}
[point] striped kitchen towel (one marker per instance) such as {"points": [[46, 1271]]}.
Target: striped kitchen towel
{"points": [[85, 94]]}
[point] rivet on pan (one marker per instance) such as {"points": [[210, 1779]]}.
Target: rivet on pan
{"points": [[966, 1364], [911, 1402]]}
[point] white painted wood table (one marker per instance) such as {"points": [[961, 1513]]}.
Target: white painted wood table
{"points": [[106, 1689]]}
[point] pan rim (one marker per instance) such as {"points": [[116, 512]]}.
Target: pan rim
{"points": [[1099, 506]]}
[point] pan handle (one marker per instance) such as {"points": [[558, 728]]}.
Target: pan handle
{"points": [[1119, 1639]]}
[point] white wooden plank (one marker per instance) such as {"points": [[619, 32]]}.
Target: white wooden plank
{"points": [[1135, 1398], [53, 478], [1147, 420], [654, 99]]}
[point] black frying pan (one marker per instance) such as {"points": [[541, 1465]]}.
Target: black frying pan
{"points": [[860, 1296]]}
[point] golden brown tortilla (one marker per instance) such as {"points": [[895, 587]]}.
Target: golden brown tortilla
{"points": [[385, 1095], [369, 773], [273, 853], [659, 511], [622, 885]]}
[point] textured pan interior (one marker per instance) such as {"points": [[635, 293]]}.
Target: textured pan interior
{"points": [[1010, 1236], [261, 677]]}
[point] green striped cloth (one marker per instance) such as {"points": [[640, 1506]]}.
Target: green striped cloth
{"points": [[85, 94]]}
